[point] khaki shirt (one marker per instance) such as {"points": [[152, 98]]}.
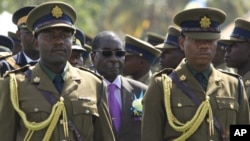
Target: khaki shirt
{"points": [[223, 92]]}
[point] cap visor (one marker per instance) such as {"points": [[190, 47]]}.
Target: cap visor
{"points": [[55, 25], [203, 35]]}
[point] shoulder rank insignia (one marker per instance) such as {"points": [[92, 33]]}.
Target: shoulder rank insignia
{"points": [[36, 79], [247, 83], [183, 77], [205, 22], [57, 12]]}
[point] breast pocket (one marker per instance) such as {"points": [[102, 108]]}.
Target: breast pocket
{"points": [[228, 107], [36, 111], [183, 108], [83, 113]]}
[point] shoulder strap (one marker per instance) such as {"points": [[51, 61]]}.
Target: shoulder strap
{"points": [[12, 62], [184, 87]]}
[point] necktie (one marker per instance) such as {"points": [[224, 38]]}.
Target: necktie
{"points": [[114, 107], [201, 79], [58, 82]]}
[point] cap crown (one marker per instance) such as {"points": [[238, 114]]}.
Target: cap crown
{"points": [[51, 14]]}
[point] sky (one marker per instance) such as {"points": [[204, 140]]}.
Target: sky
{"points": [[6, 23]]}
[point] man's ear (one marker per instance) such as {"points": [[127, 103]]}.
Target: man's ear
{"points": [[181, 42], [92, 57], [18, 34]]}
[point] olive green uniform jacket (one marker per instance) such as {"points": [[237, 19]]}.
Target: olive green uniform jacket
{"points": [[246, 80], [223, 92], [80, 92]]}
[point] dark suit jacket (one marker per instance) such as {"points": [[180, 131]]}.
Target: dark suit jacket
{"points": [[130, 129]]}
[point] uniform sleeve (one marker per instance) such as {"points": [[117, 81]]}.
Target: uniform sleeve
{"points": [[7, 113], [243, 116], [102, 124], [154, 116]]}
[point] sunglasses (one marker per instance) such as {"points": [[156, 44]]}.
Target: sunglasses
{"points": [[109, 53]]}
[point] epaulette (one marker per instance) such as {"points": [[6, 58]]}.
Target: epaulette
{"points": [[164, 71], [4, 55], [230, 73], [21, 69], [92, 72]]}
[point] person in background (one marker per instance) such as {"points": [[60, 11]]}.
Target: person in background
{"points": [[76, 58], [86, 55], [195, 101], [140, 56], [238, 51], [172, 54], [6, 44], [17, 43], [154, 39], [124, 94], [52, 100], [29, 53], [218, 61]]}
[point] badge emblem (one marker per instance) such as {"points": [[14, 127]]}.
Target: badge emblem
{"points": [[183, 77], [36, 79], [205, 22], [247, 83], [57, 12]]}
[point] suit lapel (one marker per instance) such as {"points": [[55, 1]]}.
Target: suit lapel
{"points": [[127, 98]]}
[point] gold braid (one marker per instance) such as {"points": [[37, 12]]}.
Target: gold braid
{"points": [[191, 126], [51, 121]]}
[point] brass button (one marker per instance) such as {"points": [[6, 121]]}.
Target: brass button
{"points": [[36, 109], [179, 105], [231, 105], [87, 111]]}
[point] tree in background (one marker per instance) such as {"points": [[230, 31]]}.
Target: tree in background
{"points": [[135, 17]]}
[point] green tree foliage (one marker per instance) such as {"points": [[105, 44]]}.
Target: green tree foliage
{"points": [[134, 17]]}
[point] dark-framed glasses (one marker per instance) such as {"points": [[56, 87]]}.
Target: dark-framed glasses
{"points": [[109, 53]]}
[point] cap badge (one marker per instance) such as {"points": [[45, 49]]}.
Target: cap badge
{"points": [[57, 12], [205, 22]]}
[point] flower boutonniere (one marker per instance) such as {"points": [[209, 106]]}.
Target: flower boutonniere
{"points": [[136, 109]]}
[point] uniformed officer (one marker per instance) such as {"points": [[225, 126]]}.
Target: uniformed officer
{"points": [[29, 53], [218, 60], [238, 53], [76, 58], [194, 101], [171, 54], [86, 55], [17, 43], [139, 58], [155, 39], [6, 44], [53, 101]]}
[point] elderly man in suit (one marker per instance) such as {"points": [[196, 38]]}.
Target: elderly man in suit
{"points": [[124, 99]]}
